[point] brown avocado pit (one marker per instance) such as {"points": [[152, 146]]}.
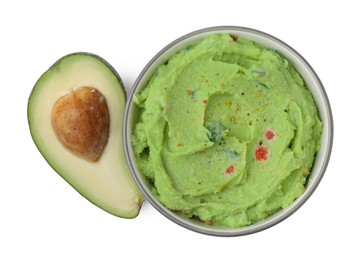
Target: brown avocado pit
{"points": [[81, 121]]}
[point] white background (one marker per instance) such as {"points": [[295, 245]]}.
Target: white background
{"points": [[42, 217]]}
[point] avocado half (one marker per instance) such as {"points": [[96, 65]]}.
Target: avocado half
{"points": [[74, 108]]}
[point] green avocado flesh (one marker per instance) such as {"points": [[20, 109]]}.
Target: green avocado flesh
{"points": [[227, 132], [105, 181]]}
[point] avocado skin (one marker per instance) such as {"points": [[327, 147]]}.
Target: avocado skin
{"points": [[32, 93]]}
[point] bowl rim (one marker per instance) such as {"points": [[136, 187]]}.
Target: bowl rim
{"points": [[258, 226]]}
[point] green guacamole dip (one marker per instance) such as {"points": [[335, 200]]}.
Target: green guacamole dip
{"points": [[227, 132]]}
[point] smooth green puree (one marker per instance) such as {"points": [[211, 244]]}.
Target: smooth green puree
{"points": [[227, 132]]}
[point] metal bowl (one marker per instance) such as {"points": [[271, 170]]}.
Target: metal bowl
{"points": [[315, 87]]}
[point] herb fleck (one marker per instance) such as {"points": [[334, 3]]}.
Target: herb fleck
{"points": [[233, 37]]}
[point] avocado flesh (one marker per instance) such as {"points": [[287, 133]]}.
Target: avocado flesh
{"points": [[107, 181]]}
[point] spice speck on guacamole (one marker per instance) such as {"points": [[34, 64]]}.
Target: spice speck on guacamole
{"points": [[227, 132]]}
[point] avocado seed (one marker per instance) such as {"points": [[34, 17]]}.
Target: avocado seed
{"points": [[80, 121]]}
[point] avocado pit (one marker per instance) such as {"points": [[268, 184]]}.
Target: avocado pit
{"points": [[81, 122]]}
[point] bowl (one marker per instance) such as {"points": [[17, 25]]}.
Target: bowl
{"points": [[315, 87]]}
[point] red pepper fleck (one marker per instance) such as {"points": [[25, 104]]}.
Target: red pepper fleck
{"points": [[204, 101], [261, 153], [269, 135], [230, 170], [203, 117]]}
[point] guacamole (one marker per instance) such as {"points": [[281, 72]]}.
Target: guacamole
{"points": [[227, 132]]}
